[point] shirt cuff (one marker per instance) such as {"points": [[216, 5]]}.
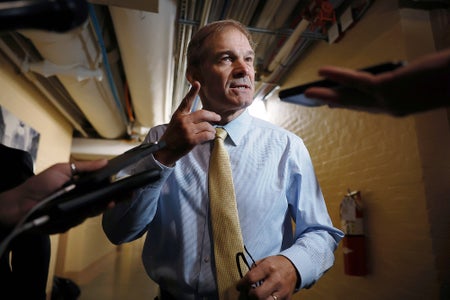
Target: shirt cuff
{"points": [[305, 267], [150, 163]]}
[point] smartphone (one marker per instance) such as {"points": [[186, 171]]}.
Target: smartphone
{"points": [[296, 94]]}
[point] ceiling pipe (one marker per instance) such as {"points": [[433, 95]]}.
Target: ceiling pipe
{"points": [[146, 45], [32, 78], [269, 11], [90, 149], [282, 55], [185, 32], [75, 48], [205, 13], [106, 64]]}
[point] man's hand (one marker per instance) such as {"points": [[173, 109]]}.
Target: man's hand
{"points": [[186, 129], [17, 202], [279, 278], [419, 86]]}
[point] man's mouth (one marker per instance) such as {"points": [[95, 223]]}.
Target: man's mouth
{"points": [[239, 86]]}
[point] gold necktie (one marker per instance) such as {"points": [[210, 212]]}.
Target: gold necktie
{"points": [[224, 218]]}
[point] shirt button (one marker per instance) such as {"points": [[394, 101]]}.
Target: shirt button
{"points": [[206, 259]]}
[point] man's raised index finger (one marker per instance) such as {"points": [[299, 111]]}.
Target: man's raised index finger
{"points": [[188, 100]]}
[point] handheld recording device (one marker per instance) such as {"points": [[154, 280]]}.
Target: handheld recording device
{"points": [[87, 193]]}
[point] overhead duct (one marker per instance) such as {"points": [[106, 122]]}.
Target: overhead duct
{"points": [[75, 59], [146, 45], [90, 149], [73, 116]]}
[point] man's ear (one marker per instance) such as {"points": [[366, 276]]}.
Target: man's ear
{"points": [[191, 75]]}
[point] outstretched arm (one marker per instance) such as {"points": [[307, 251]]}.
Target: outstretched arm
{"points": [[422, 85]]}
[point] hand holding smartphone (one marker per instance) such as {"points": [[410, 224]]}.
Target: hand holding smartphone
{"points": [[88, 194], [297, 95]]}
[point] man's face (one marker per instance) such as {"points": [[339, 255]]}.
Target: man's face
{"points": [[226, 74]]}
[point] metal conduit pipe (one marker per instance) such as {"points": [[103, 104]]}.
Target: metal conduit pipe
{"points": [[98, 32]]}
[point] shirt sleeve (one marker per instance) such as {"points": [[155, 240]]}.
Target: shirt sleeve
{"points": [[129, 218], [315, 237]]}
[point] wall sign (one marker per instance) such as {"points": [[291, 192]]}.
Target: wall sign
{"points": [[17, 134]]}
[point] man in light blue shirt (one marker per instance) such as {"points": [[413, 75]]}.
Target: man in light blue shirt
{"points": [[273, 176]]}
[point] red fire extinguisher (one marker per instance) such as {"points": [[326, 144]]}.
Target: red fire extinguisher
{"points": [[354, 241]]}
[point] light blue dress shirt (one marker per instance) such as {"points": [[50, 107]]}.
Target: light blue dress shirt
{"points": [[274, 182]]}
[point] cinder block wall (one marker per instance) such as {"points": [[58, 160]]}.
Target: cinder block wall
{"points": [[400, 165]]}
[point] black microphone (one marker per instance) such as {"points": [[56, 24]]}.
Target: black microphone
{"points": [[51, 15]]}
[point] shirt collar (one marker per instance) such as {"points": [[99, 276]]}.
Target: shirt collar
{"points": [[237, 128]]}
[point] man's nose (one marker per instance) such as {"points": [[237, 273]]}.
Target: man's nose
{"points": [[242, 68]]}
